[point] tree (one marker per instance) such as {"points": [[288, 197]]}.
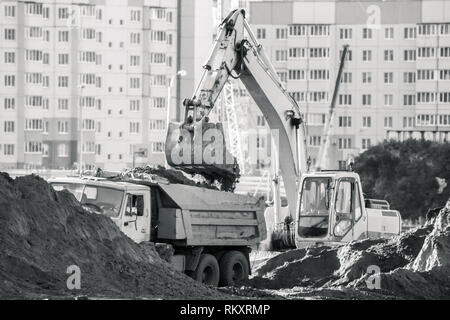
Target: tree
{"points": [[404, 173]]}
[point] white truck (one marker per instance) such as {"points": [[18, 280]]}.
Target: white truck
{"points": [[212, 232]]}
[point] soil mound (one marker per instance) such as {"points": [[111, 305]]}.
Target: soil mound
{"points": [[415, 265], [43, 232]]}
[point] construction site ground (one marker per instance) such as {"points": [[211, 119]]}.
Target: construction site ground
{"points": [[43, 233]]}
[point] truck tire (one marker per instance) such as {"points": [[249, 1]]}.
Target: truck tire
{"points": [[234, 267], [207, 271]]}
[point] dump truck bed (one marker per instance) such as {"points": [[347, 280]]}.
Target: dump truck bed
{"points": [[194, 216]]}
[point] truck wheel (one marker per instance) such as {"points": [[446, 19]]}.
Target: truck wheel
{"points": [[207, 271], [233, 268]]}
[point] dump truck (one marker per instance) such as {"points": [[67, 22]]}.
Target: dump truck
{"points": [[212, 232]]}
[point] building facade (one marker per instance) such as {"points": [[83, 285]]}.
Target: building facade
{"points": [[100, 65], [396, 80]]}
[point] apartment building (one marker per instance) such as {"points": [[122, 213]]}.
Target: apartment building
{"points": [[101, 66], [396, 80]]}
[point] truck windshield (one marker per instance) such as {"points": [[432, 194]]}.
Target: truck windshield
{"points": [[314, 207], [101, 200]]}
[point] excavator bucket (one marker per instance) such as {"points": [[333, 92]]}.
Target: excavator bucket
{"points": [[200, 148]]}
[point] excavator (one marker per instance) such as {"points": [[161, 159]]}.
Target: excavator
{"points": [[323, 207]]}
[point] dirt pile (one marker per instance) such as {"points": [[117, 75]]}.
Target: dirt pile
{"points": [[218, 182], [415, 264], [43, 232]]}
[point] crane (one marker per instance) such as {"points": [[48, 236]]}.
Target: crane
{"points": [[323, 207], [327, 129]]}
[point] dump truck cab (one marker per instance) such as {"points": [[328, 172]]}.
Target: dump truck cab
{"points": [[331, 210], [127, 204]]}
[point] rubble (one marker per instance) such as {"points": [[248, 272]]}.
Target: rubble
{"points": [[43, 232]]}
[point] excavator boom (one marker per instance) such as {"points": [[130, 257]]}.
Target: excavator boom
{"points": [[198, 146]]}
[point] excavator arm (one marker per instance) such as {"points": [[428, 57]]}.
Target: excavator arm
{"points": [[236, 53]]}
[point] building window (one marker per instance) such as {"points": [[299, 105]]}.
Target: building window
{"points": [[63, 104], [409, 77], [280, 55], [344, 143], [388, 122], [365, 144], [135, 15], [426, 29], [33, 124], [295, 53], [134, 127], [409, 33], [8, 126], [157, 124], [88, 34], [315, 141], [63, 36], [296, 74], [389, 33], [9, 103], [409, 122], [366, 99], [444, 74], [319, 74], [388, 77], [158, 147], [367, 33], [318, 30], [135, 38], [10, 11], [135, 105], [10, 80], [158, 80], [345, 33], [345, 121], [8, 149], [63, 81], [319, 52], [346, 77], [157, 58], [367, 122], [409, 55], [388, 100], [297, 30], [367, 55], [88, 56], [63, 150], [425, 97], [345, 99], [426, 52], [10, 57], [34, 8], [63, 13], [409, 100], [33, 147], [367, 77], [10, 34], [281, 33], [158, 102], [445, 52], [63, 127], [158, 36], [63, 58], [135, 83], [260, 33], [425, 74], [388, 55]]}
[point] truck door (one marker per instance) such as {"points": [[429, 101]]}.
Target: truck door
{"points": [[136, 216]]}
